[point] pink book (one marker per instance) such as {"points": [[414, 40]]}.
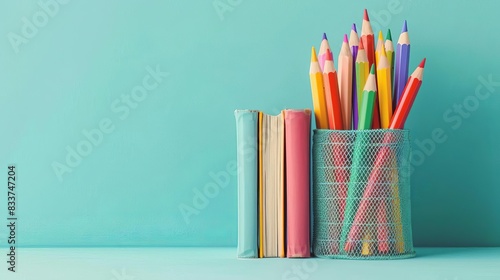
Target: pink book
{"points": [[297, 153]]}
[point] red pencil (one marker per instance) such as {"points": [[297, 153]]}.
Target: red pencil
{"points": [[385, 155], [341, 174], [368, 40], [408, 97], [332, 95]]}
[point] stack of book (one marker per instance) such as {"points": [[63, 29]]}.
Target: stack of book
{"points": [[273, 155]]}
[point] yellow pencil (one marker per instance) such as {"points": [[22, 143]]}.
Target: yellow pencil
{"points": [[380, 46], [318, 92], [389, 51], [362, 72], [366, 247], [384, 89], [396, 208]]}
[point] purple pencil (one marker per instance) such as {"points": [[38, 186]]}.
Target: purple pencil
{"points": [[401, 65], [354, 44]]}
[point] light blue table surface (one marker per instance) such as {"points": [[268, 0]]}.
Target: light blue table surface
{"points": [[221, 263]]}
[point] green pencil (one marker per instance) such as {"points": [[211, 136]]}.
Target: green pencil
{"points": [[358, 172], [367, 103]]}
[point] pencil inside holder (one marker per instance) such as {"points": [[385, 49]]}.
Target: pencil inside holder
{"points": [[361, 194]]}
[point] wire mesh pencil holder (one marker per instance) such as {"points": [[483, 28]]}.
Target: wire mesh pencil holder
{"points": [[361, 194]]}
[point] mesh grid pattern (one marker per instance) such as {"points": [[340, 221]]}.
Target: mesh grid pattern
{"points": [[361, 194]]}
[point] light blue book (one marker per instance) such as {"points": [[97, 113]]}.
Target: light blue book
{"points": [[247, 124]]}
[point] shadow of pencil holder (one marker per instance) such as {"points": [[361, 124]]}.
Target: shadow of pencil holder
{"points": [[361, 194]]}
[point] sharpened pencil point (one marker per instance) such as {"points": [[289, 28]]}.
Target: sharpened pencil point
{"points": [[354, 28], [422, 64], [345, 39], [365, 16], [329, 55], [361, 47], [372, 70], [405, 27], [324, 36], [380, 36], [314, 58], [389, 35]]}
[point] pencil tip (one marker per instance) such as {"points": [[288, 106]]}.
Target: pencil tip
{"points": [[372, 70], [329, 55], [405, 27], [365, 16], [314, 58], [361, 47], [345, 39], [324, 36], [380, 35], [389, 35], [422, 64], [354, 28]]}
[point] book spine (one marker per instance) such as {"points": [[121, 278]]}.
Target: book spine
{"points": [[297, 149], [247, 164]]}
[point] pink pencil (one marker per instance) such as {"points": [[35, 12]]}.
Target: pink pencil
{"points": [[345, 83], [324, 50]]}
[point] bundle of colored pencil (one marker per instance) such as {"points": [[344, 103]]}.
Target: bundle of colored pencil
{"points": [[370, 90]]}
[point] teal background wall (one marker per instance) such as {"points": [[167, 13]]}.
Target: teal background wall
{"points": [[139, 183]]}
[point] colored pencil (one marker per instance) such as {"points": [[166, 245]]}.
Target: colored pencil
{"points": [[401, 65], [385, 103], [380, 45], [408, 97], [396, 207], [324, 48], [370, 203], [389, 50], [368, 101], [385, 155], [354, 44], [367, 38], [366, 247], [318, 93], [358, 174], [382, 223], [362, 72], [341, 175], [333, 105], [384, 88], [345, 82]]}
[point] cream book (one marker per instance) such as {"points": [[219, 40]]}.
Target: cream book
{"points": [[271, 186]]}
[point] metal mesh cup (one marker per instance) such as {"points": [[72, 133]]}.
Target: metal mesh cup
{"points": [[361, 194]]}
